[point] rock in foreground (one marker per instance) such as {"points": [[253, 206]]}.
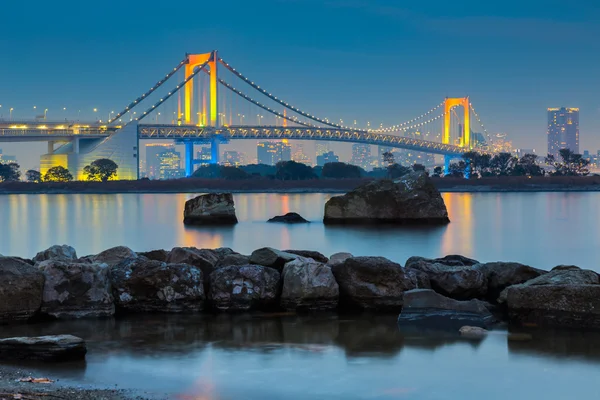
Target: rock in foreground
{"points": [[45, 348], [57, 252], [210, 209], [21, 288], [289, 218], [308, 285], [412, 199], [425, 308]]}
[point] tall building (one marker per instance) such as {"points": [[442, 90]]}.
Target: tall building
{"points": [[328, 157], [232, 158], [361, 155], [270, 153], [163, 162], [4, 159], [522, 152], [322, 148], [204, 155], [299, 156], [563, 130]]}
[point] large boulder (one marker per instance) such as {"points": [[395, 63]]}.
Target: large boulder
{"points": [[563, 306], [308, 285], [44, 348], [452, 260], [113, 256], [141, 285], [461, 283], [233, 259], [315, 255], [289, 218], [424, 308], [76, 290], [205, 259], [156, 255], [338, 258], [561, 275], [57, 252], [411, 199], [273, 258], [374, 283], [212, 208], [501, 275], [244, 288], [21, 288]]}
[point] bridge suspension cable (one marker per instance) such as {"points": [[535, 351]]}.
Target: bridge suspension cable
{"points": [[395, 128], [172, 92], [149, 92], [283, 103]]}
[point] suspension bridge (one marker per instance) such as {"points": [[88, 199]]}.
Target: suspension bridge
{"points": [[194, 111]]}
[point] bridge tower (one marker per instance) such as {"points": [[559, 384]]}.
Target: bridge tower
{"points": [[465, 139]]}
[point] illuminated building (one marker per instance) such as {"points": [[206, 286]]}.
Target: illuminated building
{"points": [[153, 152], [322, 148], [4, 159], [326, 158], [204, 155], [361, 155], [563, 130], [232, 158], [163, 162], [270, 153], [299, 155], [521, 152], [501, 144]]}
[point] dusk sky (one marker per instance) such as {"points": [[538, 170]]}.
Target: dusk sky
{"points": [[379, 61]]}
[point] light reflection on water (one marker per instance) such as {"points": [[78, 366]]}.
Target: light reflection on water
{"points": [[542, 229]]}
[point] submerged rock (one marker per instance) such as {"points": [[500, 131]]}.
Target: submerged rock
{"points": [[57, 252], [76, 290], [212, 208], [412, 199], [270, 257], [289, 218], [308, 285], [21, 290], [425, 308], [45, 348]]}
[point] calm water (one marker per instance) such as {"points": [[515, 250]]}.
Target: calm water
{"points": [[542, 229]]}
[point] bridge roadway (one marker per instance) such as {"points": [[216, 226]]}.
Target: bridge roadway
{"points": [[18, 132]]}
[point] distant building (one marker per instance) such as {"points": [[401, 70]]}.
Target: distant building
{"points": [[153, 151], [203, 155], [322, 148], [4, 159], [328, 157], [270, 153], [522, 152], [163, 162], [232, 158], [361, 155], [299, 156], [563, 130]]}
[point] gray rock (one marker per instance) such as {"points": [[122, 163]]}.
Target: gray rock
{"points": [[424, 308], [156, 255], [21, 288], [338, 258], [222, 252], [45, 348], [233, 259], [315, 255], [76, 290], [204, 259], [461, 283], [473, 332], [418, 279], [289, 218], [56, 252], [212, 208], [141, 285], [244, 288], [113, 256], [308, 285], [411, 199], [562, 306], [561, 275], [501, 275], [452, 260], [374, 283], [272, 258]]}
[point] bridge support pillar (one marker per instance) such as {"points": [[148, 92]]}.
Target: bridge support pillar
{"points": [[189, 158], [50, 147], [76, 145], [214, 150], [447, 160]]}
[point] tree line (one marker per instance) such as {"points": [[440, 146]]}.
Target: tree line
{"points": [[100, 170]]}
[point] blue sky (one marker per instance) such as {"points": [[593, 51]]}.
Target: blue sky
{"points": [[377, 60]]}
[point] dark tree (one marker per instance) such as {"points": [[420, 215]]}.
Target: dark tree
{"points": [[388, 158], [478, 163], [259, 169], [58, 174], [571, 164], [527, 166], [457, 170], [294, 171], [210, 171], [438, 171], [502, 164], [9, 172], [340, 170], [397, 170], [233, 173], [101, 170], [33, 176], [418, 167]]}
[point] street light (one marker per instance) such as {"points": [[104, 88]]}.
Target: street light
{"points": [[11, 110], [45, 112]]}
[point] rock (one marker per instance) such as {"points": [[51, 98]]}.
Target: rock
{"points": [[156, 255], [427, 309], [411, 199], [21, 288], [461, 283], [113, 256], [315, 255], [338, 258], [141, 285], [272, 258], [233, 259], [561, 275], [222, 252], [308, 285], [56, 252], [244, 287], [212, 208], [452, 260], [418, 279], [204, 259], [473, 332], [289, 218], [45, 348], [501, 275], [561, 306], [374, 283], [76, 290]]}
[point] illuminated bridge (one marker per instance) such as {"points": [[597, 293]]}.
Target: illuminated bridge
{"points": [[194, 111]]}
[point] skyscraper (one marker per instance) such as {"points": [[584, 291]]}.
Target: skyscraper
{"points": [[163, 162], [270, 153], [563, 130], [326, 158], [361, 155]]}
